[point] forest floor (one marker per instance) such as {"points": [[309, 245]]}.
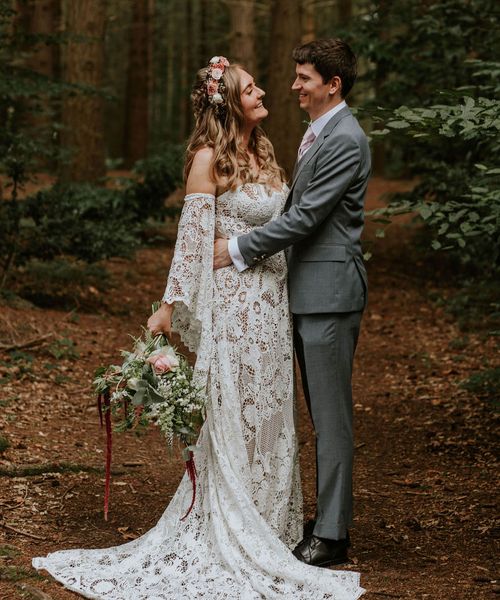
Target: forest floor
{"points": [[425, 469]]}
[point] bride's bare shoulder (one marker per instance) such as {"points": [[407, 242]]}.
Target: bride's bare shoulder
{"points": [[200, 177]]}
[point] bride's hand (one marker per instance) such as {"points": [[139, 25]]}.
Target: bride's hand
{"points": [[222, 258], [161, 320]]}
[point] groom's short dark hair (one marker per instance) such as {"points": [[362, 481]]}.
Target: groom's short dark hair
{"points": [[330, 57]]}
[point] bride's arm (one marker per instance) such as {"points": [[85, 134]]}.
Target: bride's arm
{"points": [[189, 280], [198, 182]]}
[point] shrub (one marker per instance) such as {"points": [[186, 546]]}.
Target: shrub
{"points": [[484, 384], [160, 175], [458, 195], [62, 282], [433, 68], [81, 220]]}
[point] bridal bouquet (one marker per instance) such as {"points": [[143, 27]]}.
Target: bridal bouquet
{"points": [[153, 384]]}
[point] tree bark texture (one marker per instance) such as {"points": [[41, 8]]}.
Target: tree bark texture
{"points": [[344, 11], [83, 112], [41, 17], [242, 46], [138, 84], [308, 26], [284, 124]]}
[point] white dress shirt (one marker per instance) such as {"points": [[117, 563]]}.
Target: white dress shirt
{"points": [[317, 127]]}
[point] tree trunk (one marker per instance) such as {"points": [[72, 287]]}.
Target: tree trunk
{"points": [[137, 95], [41, 17], [182, 119], [284, 122], [344, 8], [308, 27], [83, 113], [380, 149], [242, 47]]}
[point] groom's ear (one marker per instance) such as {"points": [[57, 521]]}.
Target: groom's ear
{"points": [[335, 85]]}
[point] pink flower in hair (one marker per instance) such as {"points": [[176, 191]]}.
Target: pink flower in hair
{"points": [[216, 73], [212, 88]]}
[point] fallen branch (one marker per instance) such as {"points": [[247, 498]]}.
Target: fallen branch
{"points": [[21, 532], [34, 593], [386, 594], [29, 470], [20, 503], [71, 487], [29, 344]]}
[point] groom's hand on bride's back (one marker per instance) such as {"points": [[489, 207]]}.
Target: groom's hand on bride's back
{"points": [[161, 320], [222, 257]]}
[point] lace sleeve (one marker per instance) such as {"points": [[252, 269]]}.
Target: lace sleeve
{"points": [[190, 280]]}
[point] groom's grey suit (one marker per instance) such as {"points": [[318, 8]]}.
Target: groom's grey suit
{"points": [[321, 229]]}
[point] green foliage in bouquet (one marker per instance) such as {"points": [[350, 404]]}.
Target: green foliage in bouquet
{"points": [[154, 384]]}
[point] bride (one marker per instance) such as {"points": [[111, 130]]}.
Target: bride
{"points": [[236, 542]]}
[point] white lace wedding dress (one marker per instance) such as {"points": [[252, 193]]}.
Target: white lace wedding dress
{"points": [[236, 543]]}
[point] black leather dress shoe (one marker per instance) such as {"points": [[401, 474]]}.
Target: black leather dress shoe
{"points": [[309, 530], [321, 552]]}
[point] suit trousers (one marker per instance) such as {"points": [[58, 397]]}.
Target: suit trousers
{"points": [[325, 346]]}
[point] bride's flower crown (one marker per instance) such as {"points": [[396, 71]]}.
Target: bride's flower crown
{"points": [[214, 82]]}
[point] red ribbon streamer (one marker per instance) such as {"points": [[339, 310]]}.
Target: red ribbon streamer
{"points": [[107, 417], [191, 470], [105, 399], [99, 407]]}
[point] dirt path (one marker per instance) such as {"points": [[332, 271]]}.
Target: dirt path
{"points": [[425, 469]]}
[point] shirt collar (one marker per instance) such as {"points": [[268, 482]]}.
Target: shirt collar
{"points": [[318, 124]]}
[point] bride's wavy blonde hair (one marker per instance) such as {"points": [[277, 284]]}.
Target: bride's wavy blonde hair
{"points": [[219, 126]]}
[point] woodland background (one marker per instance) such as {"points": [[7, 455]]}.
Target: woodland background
{"points": [[94, 114], [94, 85]]}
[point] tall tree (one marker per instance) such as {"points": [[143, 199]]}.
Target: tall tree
{"points": [[83, 62], [138, 84], [284, 121], [308, 26], [185, 76], [344, 8], [41, 17], [117, 45], [242, 40], [40, 21]]}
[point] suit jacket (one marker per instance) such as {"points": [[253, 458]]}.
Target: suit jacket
{"points": [[322, 223]]}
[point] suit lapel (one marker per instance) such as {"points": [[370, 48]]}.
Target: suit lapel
{"points": [[318, 142]]}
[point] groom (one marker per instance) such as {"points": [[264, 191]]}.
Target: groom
{"points": [[321, 229]]}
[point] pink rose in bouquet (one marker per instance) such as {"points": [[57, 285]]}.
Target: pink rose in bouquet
{"points": [[163, 360]]}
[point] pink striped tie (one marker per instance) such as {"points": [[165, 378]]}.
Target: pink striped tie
{"points": [[307, 142]]}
